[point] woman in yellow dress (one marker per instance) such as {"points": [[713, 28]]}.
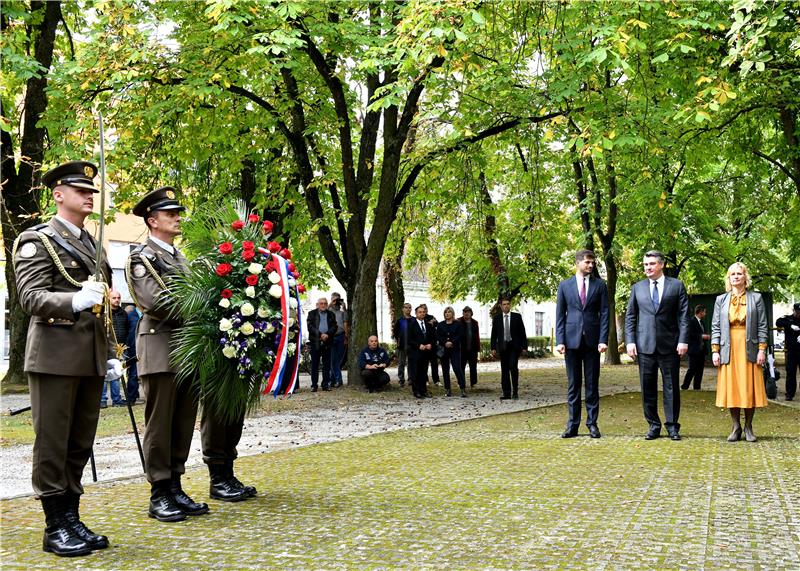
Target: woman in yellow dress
{"points": [[738, 345]]}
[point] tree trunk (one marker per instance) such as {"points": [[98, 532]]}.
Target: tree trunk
{"points": [[363, 319], [19, 208], [393, 280]]}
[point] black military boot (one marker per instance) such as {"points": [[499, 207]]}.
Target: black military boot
{"points": [[222, 486], [163, 506], [94, 540], [185, 503], [59, 536], [249, 490]]}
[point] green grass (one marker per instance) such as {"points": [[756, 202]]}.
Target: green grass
{"points": [[498, 493]]}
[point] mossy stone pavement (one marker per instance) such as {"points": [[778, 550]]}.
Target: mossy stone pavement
{"points": [[504, 492]]}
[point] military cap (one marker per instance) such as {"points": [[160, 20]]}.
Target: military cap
{"points": [[74, 173], [160, 199]]}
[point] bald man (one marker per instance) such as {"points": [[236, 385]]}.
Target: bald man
{"points": [[321, 331]]}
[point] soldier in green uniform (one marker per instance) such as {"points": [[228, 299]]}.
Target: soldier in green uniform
{"points": [[67, 353], [171, 407]]}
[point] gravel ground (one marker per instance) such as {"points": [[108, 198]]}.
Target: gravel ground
{"points": [[117, 457]]}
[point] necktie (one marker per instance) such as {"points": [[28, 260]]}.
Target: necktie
{"points": [[655, 295], [583, 291], [87, 241], [506, 328], [422, 327]]}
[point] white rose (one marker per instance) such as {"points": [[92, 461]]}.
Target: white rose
{"points": [[276, 291], [291, 348], [270, 328], [226, 303], [255, 268], [247, 309], [291, 321], [250, 291], [225, 324], [291, 282], [262, 313], [229, 352], [292, 303], [247, 328], [274, 278]]}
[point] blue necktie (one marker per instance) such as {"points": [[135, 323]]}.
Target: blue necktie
{"points": [[655, 295]]}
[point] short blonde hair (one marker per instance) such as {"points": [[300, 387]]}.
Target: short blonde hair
{"points": [[450, 309], [745, 271]]}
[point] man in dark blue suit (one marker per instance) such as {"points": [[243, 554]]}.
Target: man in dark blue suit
{"points": [[581, 335], [657, 331], [421, 345]]}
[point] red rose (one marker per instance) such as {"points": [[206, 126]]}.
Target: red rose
{"points": [[248, 255], [224, 269], [225, 248], [252, 279], [292, 267], [267, 227], [253, 219], [274, 247], [296, 274], [237, 225], [248, 245], [285, 254], [301, 288], [226, 293]]}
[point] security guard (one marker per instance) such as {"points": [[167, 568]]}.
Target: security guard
{"points": [[171, 407], [67, 353]]}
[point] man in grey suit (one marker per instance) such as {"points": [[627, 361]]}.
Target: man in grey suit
{"points": [[582, 333], [657, 331]]}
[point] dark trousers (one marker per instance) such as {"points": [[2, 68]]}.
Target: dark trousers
{"points": [[132, 390], [323, 352], [374, 378], [169, 416], [418, 369], [792, 363], [694, 375], [509, 371], [219, 438], [583, 364], [434, 361], [452, 357], [470, 358], [65, 412], [669, 365], [337, 354], [403, 367]]}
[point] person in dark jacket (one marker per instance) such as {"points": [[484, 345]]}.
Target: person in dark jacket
{"points": [[119, 321], [430, 320], [321, 331], [509, 340], [470, 345], [421, 345], [791, 330], [697, 349], [400, 336], [372, 362], [448, 335]]}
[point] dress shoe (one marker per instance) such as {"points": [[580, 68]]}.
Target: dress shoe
{"points": [[314, 389], [505, 397], [735, 435], [594, 432], [448, 393], [652, 434], [186, 504], [569, 433], [163, 507], [324, 388], [93, 540], [60, 536], [419, 396], [684, 387], [222, 486], [401, 382], [338, 385], [463, 394], [674, 436], [103, 405], [749, 435], [515, 396], [473, 383]]}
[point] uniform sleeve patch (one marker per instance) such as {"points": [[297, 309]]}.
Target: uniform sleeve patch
{"points": [[139, 271], [28, 250]]}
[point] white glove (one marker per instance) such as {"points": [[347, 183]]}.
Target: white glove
{"points": [[91, 293], [113, 369], [796, 327]]}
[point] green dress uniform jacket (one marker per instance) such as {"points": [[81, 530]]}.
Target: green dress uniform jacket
{"points": [[147, 267], [60, 341]]}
